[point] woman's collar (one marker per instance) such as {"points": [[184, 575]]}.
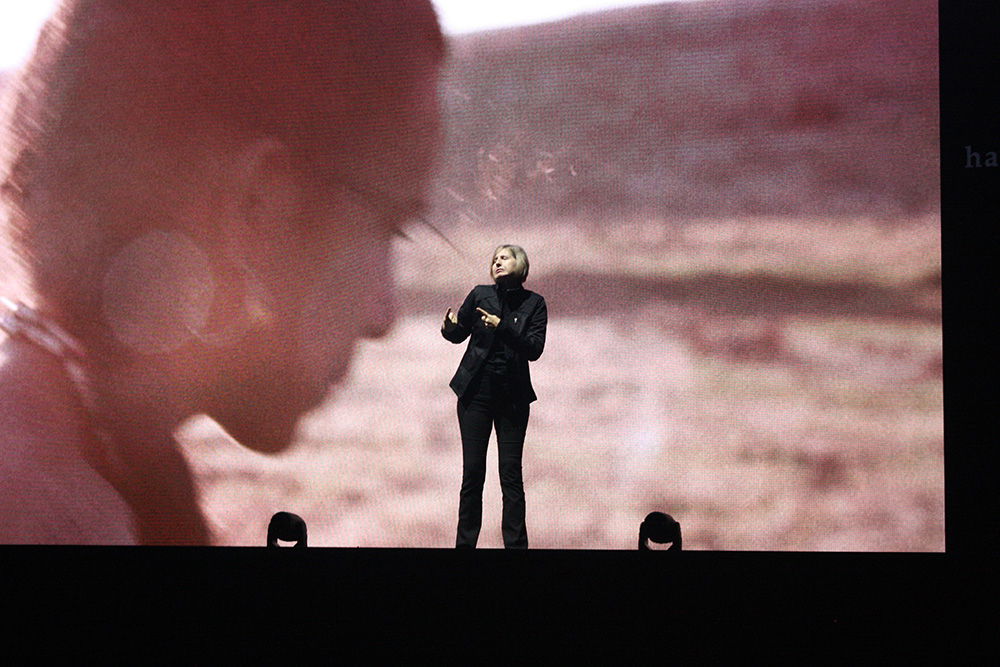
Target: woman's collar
{"points": [[506, 284]]}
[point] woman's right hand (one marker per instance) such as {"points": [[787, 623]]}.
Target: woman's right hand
{"points": [[450, 321]]}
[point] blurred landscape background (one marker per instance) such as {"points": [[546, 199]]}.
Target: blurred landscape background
{"points": [[732, 209]]}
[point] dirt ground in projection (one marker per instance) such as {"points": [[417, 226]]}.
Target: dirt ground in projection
{"points": [[794, 413], [798, 413]]}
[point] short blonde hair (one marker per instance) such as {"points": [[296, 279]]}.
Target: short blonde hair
{"points": [[520, 260]]}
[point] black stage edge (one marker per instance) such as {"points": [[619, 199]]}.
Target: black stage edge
{"points": [[356, 603]]}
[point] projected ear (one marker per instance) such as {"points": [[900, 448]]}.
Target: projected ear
{"points": [[264, 208], [268, 190], [252, 237]]}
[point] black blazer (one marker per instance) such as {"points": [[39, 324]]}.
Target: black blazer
{"points": [[523, 329]]}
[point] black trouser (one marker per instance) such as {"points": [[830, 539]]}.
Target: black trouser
{"points": [[485, 405]]}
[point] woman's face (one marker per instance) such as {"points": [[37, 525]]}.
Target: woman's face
{"points": [[504, 264]]}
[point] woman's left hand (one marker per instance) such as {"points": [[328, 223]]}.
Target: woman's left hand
{"points": [[489, 319]]}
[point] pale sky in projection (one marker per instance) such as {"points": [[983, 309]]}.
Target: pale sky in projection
{"points": [[21, 19]]}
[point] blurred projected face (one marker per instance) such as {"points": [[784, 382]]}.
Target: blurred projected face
{"points": [[503, 264], [330, 280]]}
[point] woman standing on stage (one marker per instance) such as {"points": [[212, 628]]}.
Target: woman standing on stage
{"points": [[507, 324]]}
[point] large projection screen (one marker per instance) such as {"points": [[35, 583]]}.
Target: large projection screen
{"points": [[732, 209]]}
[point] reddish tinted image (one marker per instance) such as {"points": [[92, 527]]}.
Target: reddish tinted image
{"points": [[731, 208]]}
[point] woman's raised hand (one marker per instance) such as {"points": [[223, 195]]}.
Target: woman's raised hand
{"points": [[489, 319], [450, 321]]}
